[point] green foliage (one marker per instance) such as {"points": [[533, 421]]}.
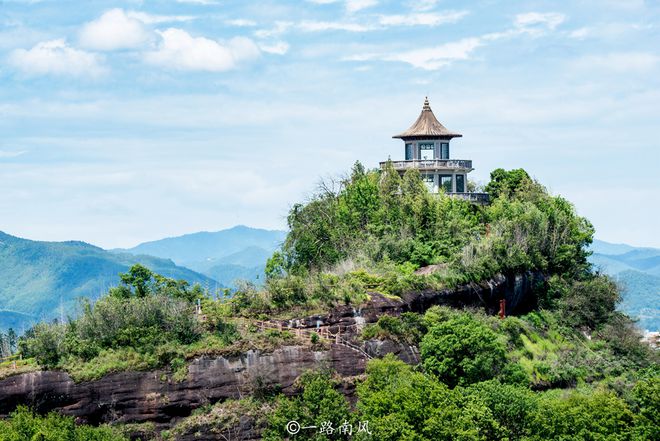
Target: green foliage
{"points": [[507, 183], [579, 415], [511, 406], [409, 328], [140, 282], [382, 214], [372, 219], [401, 404], [25, 425], [462, 351], [132, 327], [646, 407], [318, 402], [589, 303], [8, 343]]}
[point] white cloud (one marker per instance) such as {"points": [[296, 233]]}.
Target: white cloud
{"points": [[147, 18], [56, 57], [180, 50], [11, 154], [358, 5], [439, 56], [278, 48], [423, 5], [619, 62], [422, 19], [199, 2], [279, 28], [431, 58], [538, 21], [350, 5], [114, 30], [316, 26], [580, 33], [241, 22]]}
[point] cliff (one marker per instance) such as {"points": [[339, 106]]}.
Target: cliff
{"points": [[135, 397]]}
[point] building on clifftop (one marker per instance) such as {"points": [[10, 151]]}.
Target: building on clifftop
{"points": [[427, 149]]}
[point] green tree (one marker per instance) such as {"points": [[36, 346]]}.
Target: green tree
{"points": [[401, 404], [319, 402], [139, 278], [591, 302], [462, 351], [582, 415], [24, 425], [507, 183]]}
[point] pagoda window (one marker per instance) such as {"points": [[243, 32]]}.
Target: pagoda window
{"points": [[460, 183], [444, 150], [426, 150], [409, 151], [429, 180], [445, 183]]}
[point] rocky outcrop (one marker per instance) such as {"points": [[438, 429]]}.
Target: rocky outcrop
{"points": [[149, 396], [518, 291]]}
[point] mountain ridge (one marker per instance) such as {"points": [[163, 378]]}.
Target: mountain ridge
{"points": [[41, 280]]}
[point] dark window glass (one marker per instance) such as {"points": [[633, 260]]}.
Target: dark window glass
{"points": [[444, 150], [445, 183], [409, 152], [460, 183]]}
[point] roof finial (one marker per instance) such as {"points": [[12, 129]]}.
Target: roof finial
{"points": [[427, 106]]}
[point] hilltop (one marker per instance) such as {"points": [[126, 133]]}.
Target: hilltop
{"points": [[426, 315]]}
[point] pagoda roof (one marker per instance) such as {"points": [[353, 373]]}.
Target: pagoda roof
{"points": [[427, 126]]}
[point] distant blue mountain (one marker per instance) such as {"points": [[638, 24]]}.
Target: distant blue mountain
{"points": [[637, 270], [42, 280], [227, 255]]}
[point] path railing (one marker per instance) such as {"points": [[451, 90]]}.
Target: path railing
{"points": [[323, 332]]}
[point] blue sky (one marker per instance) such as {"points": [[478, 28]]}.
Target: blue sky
{"points": [[130, 121]]}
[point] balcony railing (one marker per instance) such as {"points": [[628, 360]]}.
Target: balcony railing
{"points": [[479, 198], [431, 164]]}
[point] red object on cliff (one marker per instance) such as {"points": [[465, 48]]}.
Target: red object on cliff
{"points": [[502, 308]]}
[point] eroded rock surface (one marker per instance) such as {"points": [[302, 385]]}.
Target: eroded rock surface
{"points": [[135, 397]]}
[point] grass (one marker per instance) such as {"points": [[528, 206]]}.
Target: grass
{"points": [[222, 418], [17, 367], [108, 361], [176, 357]]}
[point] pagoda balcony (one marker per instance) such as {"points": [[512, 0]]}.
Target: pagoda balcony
{"points": [[477, 198], [431, 164]]}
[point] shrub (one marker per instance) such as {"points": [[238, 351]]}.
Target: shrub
{"points": [[24, 424], [590, 302], [462, 350]]}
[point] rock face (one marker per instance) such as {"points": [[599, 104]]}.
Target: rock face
{"points": [[148, 396], [144, 396], [517, 290]]}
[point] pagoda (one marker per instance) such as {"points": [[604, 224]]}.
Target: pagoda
{"points": [[427, 149]]}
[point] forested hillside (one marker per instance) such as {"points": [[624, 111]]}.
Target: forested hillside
{"points": [[43, 280], [569, 366], [637, 271]]}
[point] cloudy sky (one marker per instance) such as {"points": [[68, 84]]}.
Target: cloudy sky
{"points": [[123, 122]]}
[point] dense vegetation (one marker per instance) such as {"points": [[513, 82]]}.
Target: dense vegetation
{"points": [[572, 369], [24, 425]]}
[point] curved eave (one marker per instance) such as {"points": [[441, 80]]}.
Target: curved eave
{"points": [[411, 137]]}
